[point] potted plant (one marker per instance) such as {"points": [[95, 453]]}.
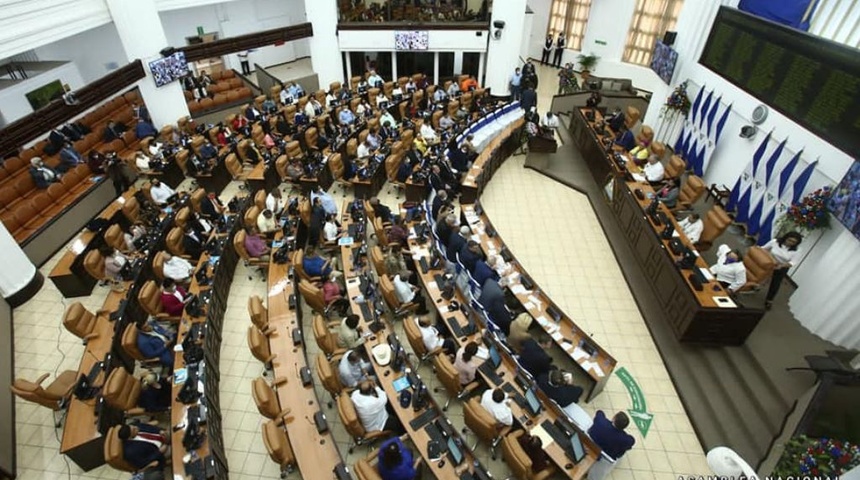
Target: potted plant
{"points": [[818, 457], [807, 215], [587, 63]]}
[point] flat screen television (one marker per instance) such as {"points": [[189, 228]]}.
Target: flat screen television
{"points": [[168, 69], [663, 62], [845, 200], [45, 94], [411, 40]]}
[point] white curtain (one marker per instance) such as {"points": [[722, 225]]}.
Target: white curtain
{"points": [[827, 302]]}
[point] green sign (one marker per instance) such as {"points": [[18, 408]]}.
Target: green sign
{"points": [[639, 412], [600, 42], [200, 31]]}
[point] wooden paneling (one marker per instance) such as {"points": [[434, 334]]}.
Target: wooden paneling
{"points": [[247, 42]]}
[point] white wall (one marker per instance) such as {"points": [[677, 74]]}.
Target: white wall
{"points": [[502, 54], [25, 25], [540, 20], [439, 40], [13, 103], [95, 52]]}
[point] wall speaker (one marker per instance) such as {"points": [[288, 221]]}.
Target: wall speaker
{"points": [[669, 38], [748, 131]]}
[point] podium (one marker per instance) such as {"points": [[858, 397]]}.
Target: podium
{"points": [[541, 144]]}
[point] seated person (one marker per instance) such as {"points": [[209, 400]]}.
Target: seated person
{"points": [[374, 139], [432, 336], [668, 195], [330, 99], [42, 175], [374, 80], [266, 223], [398, 234], [496, 402], [353, 369], [256, 246], [161, 193], [211, 206], [610, 436], [155, 341], [285, 97], [381, 210], [457, 241], [439, 95], [144, 129], [274, 202], [362, 86], [594, 100], [382, 101], [177, 269], [371, 405], [428, 133], [394, 261], [346, 117], [625, 140], [519, 331], [143, 444], [549, 123], [446, 122], [141, 161], [692, 227], [482, 272], [395, 461], [408, 293], [365, 149], [155, 392], [616, 120], [135, 238], [439, 201], [295, 170], [112, 131], [533, 356], [349, 334], [653, 170], [313, 108], [173, 297], [533, 447], [331, 232], [192, 242], [69, 158], [468, 84], [470, 254], [453, 90], [556, 387], [96, 161], [729, 269], [315, 265], [492, 298], [466, 363], [115, 261]]}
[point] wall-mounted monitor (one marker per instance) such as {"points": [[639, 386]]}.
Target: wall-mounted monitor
{"points": [[845, 200], [45, 94], [663, 61], [168, 69], [411, 40]]}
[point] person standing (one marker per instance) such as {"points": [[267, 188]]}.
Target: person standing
{"points": [[547, 49], [516, 84], [243, 61], [560, 43], [784, 252]]}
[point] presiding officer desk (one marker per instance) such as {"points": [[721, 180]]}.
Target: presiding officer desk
{"points": [[315, 452], [508, 370], [706, 316], [564, 331], [497, 136], [387, 376]]}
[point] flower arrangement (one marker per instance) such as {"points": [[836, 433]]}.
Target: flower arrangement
{"points": [[817, 457], [678, 101], [811, 212]]}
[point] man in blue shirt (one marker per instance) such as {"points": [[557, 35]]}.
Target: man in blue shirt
{"points": [[626, 140], [482, 272], [315, 265], [346, 117], [516, 82], [610, 436], [154, 341], [144, 129], [69, 158]]}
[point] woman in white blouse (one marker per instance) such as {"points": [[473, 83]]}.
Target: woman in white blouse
{"points": [[784, 252]]}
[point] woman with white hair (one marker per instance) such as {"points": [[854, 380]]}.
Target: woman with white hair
{"points": [[42, 174]]}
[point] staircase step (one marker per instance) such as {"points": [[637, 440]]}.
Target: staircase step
{"points": [[760, 385]]}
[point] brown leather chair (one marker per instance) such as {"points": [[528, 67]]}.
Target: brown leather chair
{"points": [[631, 116], [352, 424], [482, 423], [173, 242], [675, 167], [149, 298], [715, 223], [659, 149], [691, 191], [115, 238], [397, 308], [81, 322], [266, 398], [278, 445], [55, 396], [519, 461], [234, 166], [760, 265], [305, 211], [129, 344], [182, 217], [381, 232], [416, 340], [239, 246], [327, 372], [335, 164], [294, 150], [450, 379], [158, 265], [258, 343], [296, 261], [197, 198], [365, 468], [260, 200], [259, 315], [378, 260], [114, 455], [94, 264], [122, 391], [314, 297], [325, 338]]}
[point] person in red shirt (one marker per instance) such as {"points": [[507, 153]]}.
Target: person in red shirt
{"points": [[331, 290], [173, 297]]}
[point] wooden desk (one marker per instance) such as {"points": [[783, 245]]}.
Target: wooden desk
{"points": [[497, 151], [82, 441], [370, 187], [68, 274], [316, 453], [566, 334]]}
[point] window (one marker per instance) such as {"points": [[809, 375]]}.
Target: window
{"points": [[570, 17], [651, 19]]}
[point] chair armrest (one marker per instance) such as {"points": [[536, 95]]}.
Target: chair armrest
{"points": [[136, 411], [268, 330], [280, 381], [468, 389], [271, 358], [89, 337], [41, 379], [545, 473], [333, 323], [165, 316], [103, 311]]}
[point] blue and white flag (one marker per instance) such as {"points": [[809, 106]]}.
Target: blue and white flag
{"points": [[760, 188], [775, 191], [745, 183], [715, 130], [706, 109]]}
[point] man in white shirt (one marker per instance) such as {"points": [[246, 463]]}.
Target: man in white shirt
{"points": [[370, 405], [312, 107], [428, 133], [266, 223], [375, 80], [274, 202], [382, 101], [177, 268], [439, 95], [352, 369], [330, 230], [495, 402], [653, 170], [160, 192], [549, 121], [286, 98], [432, 338], [453, 90], [692, 227], [407, 292], [729, 269], [365, 149], [446, 122]]}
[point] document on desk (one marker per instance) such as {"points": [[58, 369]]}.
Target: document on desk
{"points": [[638, 177], [579, 354], [592, 365], [529, 306], [345, 241], [707, 274], [482, 353], [539, 432], [557, 335], [724, 302], [518, 289], [535, 301], [431, 285], [180, 376]]}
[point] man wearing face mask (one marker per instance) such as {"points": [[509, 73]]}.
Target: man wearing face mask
{"points": [[729, 269]]}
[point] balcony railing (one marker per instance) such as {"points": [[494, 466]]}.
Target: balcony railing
{"points": [[424, 13]]}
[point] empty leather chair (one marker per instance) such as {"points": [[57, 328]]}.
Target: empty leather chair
{"points": [[122, 391], [715, 223], [311, 138], [259, 346], [278, 445], [266, 398], [94, 264], [114, 455], [173, 242], [81, 322], [294, 150], [338, 172], [691, 191], [250, 218], [352, 424], [327, 372], [450, 379], [365, 468], [197, 198], [519, 461], [631, 116], [416, 341], [258, 313], [378, 260], [158, 265], [325, 338], [131, 210], [234, 166], [115, 237], [760, 265], [129, 344], [55, 396], [149, 298], [260, 200], [381, 232], [397, 308], [182, 217], [483, 424], [675, 167], [659, 149]]}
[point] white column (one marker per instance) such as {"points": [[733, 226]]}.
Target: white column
{"points": [[436, 68], [323, 45], [394, 75], [17, 269], [481, 64], [502, 54], [345, 58], [142, 37], [458, 62]]}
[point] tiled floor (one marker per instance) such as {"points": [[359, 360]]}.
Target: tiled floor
{"points": [[553, 232]]}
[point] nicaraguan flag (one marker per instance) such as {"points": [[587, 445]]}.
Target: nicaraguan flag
{"points": [[760, 188], [800, 182], [706, 109], [772, 198], [746, 182]]}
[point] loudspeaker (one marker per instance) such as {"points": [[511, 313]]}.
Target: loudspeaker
{"points": [[167, 51], [669, 38], [748, 131]]}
